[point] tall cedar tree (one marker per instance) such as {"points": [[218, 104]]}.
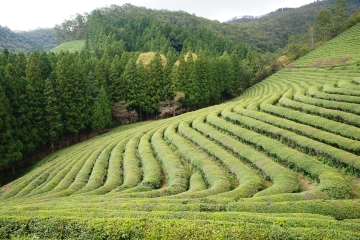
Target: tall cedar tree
{"points": [[146, 102], [130, 88], [115, 86], [54, 124], [70, 93], [203, 79], [33, 74], [102, 112]]}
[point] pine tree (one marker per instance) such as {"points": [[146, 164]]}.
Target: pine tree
{"points": [[102, 112], [54, 124]]}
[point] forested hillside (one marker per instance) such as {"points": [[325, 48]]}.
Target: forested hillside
{"points": [[39, 39], [272, 31]]}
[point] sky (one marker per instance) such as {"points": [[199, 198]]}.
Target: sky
{"points": [[33, 14]]}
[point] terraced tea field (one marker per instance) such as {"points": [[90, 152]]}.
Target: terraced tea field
{"points": [[280, 162]]}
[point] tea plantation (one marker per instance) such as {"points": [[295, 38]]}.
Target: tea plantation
{"points": [[282, 161]]}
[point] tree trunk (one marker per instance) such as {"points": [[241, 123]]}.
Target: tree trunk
{"points": [[13, 169]]}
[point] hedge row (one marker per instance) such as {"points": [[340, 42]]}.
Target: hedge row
{"points": [[331, 89], [284, 180], [213, 174], [302, 129], [177, 175], [118, 228], [348, 85], [335, 115], [115, 172], [197, 183], [249, 182], [339, 209], [99, 172], [315, 121], [79, 174], [330, 181], [131, 165], [314, 92], [342, 106], [151, 167], [61, 173], [338, 158]]}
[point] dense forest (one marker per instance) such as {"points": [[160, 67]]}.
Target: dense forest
{"points": [[47, 96], [137, 64]]}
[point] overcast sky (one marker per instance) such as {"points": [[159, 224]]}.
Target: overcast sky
{"points": [[31, 14]]}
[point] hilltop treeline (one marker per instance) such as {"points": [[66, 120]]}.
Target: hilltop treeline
{"points": [[39, 39]]}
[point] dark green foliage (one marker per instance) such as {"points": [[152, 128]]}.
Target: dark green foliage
{"points": [[9, 146], [38, 103], [70, 87], [52, 114], [101, 117]]}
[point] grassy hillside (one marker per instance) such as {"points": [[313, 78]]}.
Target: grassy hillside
{"points": [[280, 162], [71, 46]]}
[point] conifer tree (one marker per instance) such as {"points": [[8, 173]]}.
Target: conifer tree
{"points": [[20, 65], [203, 79], [21, 105], [45, 66], [146, 101], [115, 86], [33, 74], [69, 93], [156, 86], [101, 112], [54, 124], [130, 82], [83, 97]]}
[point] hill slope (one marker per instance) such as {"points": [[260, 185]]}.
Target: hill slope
{"points": [[39, 39], [71, 46], [281, 161]]}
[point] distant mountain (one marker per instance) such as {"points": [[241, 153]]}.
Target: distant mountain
{"points": [[39, 39], [271, 31]]}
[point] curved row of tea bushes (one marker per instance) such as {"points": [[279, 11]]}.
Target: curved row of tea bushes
{"points": [[213, 174], [330, 181], [312, 120], [339, 157], [249, 182], [283, 179], [314, 92]]}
